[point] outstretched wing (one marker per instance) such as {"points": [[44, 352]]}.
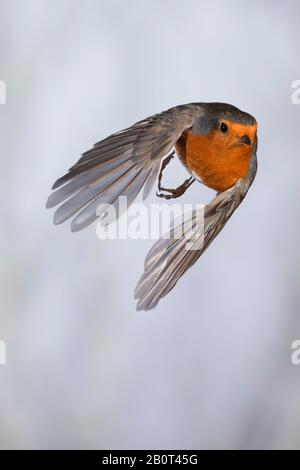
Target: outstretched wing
{"points": [[170, 257], [119, 165]]}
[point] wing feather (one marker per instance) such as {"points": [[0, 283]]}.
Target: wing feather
{"points": [[119, 159], [171, 257]]}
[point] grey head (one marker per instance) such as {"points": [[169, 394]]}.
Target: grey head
{"points": [[211, 114]]}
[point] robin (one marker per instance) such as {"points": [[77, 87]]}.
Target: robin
{"points": [[216, 143]]}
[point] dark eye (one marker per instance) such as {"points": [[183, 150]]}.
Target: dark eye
{"points": [[223, 127]]}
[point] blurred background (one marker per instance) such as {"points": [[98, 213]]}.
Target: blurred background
{"points": [[211, 366]]}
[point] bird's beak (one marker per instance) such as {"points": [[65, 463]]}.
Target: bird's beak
{"points": [[245, 140]]}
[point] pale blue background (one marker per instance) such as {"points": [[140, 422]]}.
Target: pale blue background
{"points": [[210, 367]]}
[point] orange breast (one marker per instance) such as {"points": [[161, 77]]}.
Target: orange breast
{"points": [[212, 160]]}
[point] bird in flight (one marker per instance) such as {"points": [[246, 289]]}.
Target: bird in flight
{"points": [[216, 143]]}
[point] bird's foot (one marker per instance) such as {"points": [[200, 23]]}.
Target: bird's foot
{"points": [[172, 193]]}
